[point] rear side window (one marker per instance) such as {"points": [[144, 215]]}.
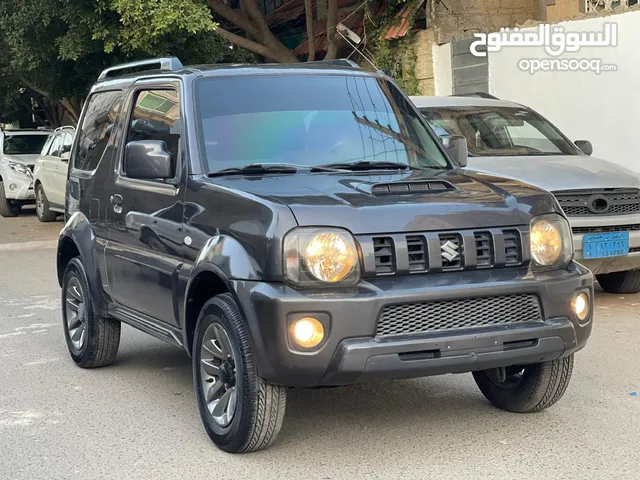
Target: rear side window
{"points": [[94, 134], [67, 141], [57, 145]]}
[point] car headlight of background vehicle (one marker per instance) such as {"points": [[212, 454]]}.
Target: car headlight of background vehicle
{"points": [[314, 256], [551, 242], [21, 169]]}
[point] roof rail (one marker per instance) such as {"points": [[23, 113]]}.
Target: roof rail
{"points": [[166, 64], [475, 94], [338, 62], [65, 126]]}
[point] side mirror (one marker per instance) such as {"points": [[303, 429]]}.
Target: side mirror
{"points": [[65, 156], [456, 145], [585, 146], [148, 160]]}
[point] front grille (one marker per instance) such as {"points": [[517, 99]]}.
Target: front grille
{"points": [[433, 252], [458, 314], [613, 228], [577, 203]]}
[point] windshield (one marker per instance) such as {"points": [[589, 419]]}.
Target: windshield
{"points": [[310, 120], [24, 144], [499, 131]]}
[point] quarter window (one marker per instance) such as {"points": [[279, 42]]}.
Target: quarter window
{"points": [[96, 130]]}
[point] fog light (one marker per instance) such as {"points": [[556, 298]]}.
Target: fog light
{"points": [[580, 306], [13, 187], [307, 332]]}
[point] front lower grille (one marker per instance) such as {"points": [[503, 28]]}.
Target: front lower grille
{"points": [[412, 318], [579, 203], [612, 228], [433, 252]]}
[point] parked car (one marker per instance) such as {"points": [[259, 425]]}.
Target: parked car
{"points": [[19, 150], [50, 174], [368, 255], [601, 199]]}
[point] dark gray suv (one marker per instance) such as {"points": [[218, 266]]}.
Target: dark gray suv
{"points": [[302, 226]]}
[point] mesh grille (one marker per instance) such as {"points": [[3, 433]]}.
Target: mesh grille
{"points": [[613, 228], [621, 202], [456, 314]]}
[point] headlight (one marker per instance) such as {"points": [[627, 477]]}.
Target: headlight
{"points": [[551, 242], [321, 255], [21, 169]]}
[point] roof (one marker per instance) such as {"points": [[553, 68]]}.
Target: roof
{"points": [[401, 29], [425, 102], [335, 67]]}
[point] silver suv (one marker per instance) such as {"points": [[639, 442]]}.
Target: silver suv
{"points": [[19, 150], [601, 199]]}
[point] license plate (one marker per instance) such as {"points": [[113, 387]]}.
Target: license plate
{"points": [[602, 245]]}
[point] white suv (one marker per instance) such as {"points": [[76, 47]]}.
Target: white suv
{"points": [[50, 174], [600, 199], [19, 150]]}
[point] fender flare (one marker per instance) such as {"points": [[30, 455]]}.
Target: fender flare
{"points": [[79, 231]]}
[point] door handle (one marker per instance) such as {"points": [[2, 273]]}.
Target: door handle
{"points": [[116, 200]]}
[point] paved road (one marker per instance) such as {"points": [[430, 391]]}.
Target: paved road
{"points": [[138, 420]]}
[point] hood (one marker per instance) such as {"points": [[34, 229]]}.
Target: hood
{"points": [[352, 202], [561, 172], [29, 160]]}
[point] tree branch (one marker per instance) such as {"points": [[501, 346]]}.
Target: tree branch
{"points": [[311, 40], [265, 34], [234, 16], [252, 46], [71, 109], [31, 86], [332, 22]]}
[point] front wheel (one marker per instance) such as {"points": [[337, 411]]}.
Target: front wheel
{"points": [[240, 411], [529, 388], [8, 208], [620, 282]]}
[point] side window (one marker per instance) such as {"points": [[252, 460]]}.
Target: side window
{"points": [[156, 116], [56, 146], [94, 134], [67, 141], [47, 145]]}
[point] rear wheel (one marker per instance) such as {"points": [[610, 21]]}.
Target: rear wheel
{"points": [[8, 208], [620, 282], [529, 388], [92, 340], [42, 206], [240, 411]]}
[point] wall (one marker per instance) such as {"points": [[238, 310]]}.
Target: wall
{"points": [[563, 10], [600, 108], [443, 81], [423, 49], [453, 19]]}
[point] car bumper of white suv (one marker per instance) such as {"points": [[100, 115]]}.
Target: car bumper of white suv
{"points": [[582, 226], [17, 186]]}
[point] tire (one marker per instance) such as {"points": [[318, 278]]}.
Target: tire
{"points": [[7, 207], [540, 386], [42, 206], [259, 407], [620, 282], [96, 344]]}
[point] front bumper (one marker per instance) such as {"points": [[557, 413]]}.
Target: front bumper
{"points": [[351, 352], [16, 186]]}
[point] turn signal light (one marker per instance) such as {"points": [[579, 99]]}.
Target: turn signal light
{"points": [[307, 332]]}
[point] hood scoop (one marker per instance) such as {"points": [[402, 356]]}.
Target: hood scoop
{"points": [[407, 188]]}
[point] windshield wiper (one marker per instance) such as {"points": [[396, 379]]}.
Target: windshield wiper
{"points": [[262, 168], [365, 165]]}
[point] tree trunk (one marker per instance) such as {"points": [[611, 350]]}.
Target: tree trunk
{"points": [[311, 40], [332, 22], [71, 110]]}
